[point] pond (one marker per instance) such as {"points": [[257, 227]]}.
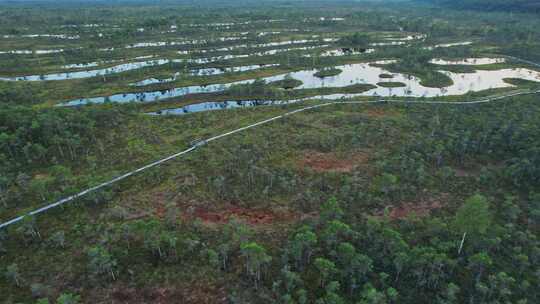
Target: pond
{"points": [[468, 61], [408, 38], [81, 65], [260, 45], [177, 43], [202, 72], [30, 52], [395, 41], [345, 52], [97, 63], [462, 84], [389, 43], [447, 45], [331, 19], [221, 105], [110, 49], [206, 60], [89, 73], [360, 73], [261, 34], [56, 36], [143, 64], [83, 25]]}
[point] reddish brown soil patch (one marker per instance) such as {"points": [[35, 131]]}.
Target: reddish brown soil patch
{"points": [[160, 210], [199, 294], [41, 176], [406, 210], [476, 170], [249, 216], [380, 112], [222, 213], [323, 162], [462, 172], [420, 209]]}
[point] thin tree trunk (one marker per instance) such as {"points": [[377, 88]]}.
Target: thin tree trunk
{"points": [[461, 244]]}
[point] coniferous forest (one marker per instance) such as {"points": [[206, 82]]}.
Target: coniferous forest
{"points": [[325, 152]]}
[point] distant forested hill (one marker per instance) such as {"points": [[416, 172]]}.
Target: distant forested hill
{"points": [[492, 5]]}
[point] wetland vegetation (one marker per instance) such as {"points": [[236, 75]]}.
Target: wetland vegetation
{"points": [[434, 199]]}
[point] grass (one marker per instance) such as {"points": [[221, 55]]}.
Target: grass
{"points": [[327, 72], [287, 84], [428, 78], [391, 84], [522, 83]]}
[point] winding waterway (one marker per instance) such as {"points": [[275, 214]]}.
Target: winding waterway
{"points": [[361, 73]]}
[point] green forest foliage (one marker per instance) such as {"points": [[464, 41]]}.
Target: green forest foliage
{"points": [[492, 5], [40, 147], [475, 168], [344, 255]]}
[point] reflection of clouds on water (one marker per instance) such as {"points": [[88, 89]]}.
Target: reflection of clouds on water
{"points": [[220, 105], [353, 74], [447, 45], [201, 72], [89, 73], [468, 61]]}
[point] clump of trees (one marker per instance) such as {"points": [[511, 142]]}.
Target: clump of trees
{"points": [[327, 72], [53, 141], [256, 260], [65, 298], [101, 263], [357, 40], [496, 5], [373, 261]]}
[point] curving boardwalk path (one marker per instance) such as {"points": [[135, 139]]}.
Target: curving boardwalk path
{"points": [[260, 123], [522, 60]]}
